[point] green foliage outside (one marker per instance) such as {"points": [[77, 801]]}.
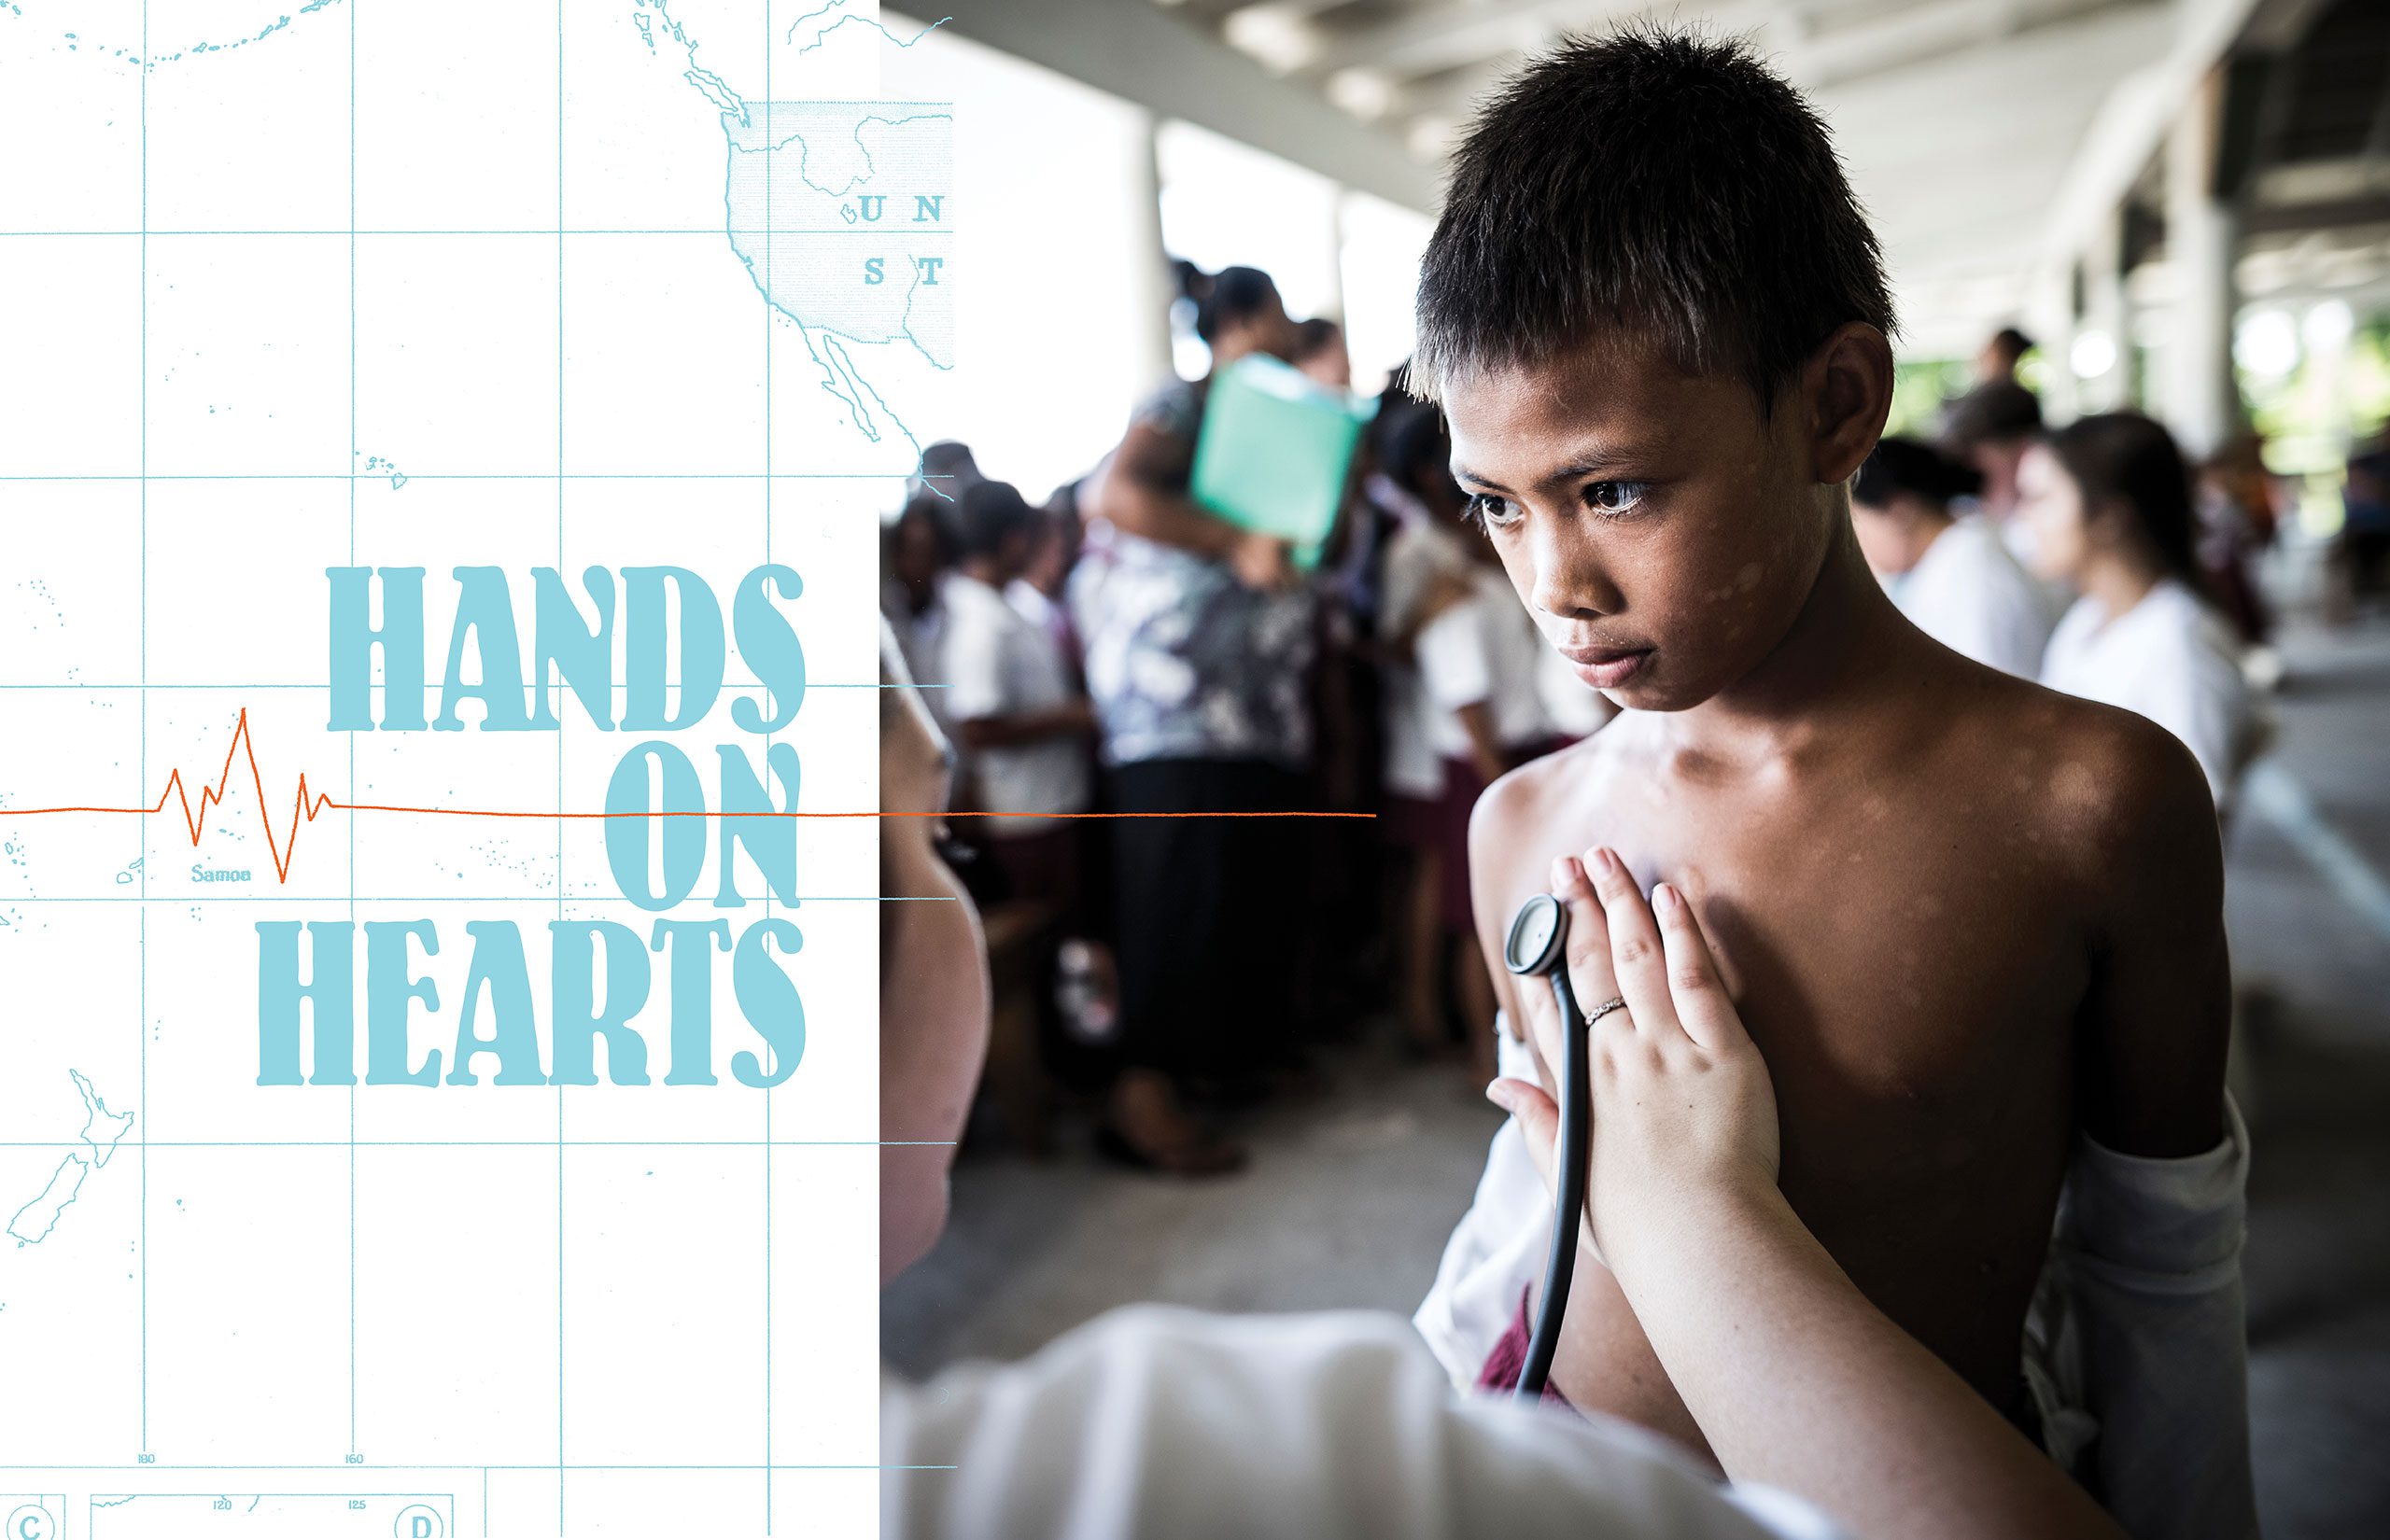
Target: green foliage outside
{"points": [[1919, 386], [2310, 416]]}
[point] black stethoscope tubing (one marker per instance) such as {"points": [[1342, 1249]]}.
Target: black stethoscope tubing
{"points": [[1537, 945]]}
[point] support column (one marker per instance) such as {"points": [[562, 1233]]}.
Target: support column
{"points": [[2196, 392], [1148, 335], [2049, 320], [2096, 355], [1335, 306]]}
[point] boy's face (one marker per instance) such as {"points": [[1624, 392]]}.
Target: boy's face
{"points": [[1661, 533]]}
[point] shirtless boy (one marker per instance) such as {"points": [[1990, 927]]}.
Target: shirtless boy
{"points": [[1966, 918]]}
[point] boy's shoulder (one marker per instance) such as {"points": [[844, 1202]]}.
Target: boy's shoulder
{"points": [[2082, 779], [2083, 785], [1533, 793]]}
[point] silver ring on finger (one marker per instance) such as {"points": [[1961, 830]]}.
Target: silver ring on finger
{"points": [[1605, 1008]]}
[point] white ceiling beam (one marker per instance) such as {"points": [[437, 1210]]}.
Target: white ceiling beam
{"points": [[2133, 121], [1142, 52], [1916, 33], [1445, 37], [1439, 37], [1830, 64], [1485, 68], [2048, 80]]}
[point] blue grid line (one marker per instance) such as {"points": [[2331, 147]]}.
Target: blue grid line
{"points": [[468, 476], [352, 735], [452, 1465], [169, 899], [561, 226], [768, 158], [492, 1145], [144, 992], [431, 686], [712, 230]]}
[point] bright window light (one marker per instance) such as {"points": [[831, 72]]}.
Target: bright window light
{"points": [[1228, 204], [2093, 354], [1060, 303], [2265, 344], [1383, 245]]}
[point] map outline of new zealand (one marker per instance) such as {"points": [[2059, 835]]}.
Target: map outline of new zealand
{"points": [[65, 1185]]}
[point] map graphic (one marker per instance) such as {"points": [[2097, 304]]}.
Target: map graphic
{"points": [[837, 209], [544, 290], [101, 1128]]}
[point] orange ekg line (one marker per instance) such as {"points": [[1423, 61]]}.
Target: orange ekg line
{"points": [[309, 807]]}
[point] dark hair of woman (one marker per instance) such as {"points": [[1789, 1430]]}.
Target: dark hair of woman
{"points": [[1916, 467], [2123, 461], [1224, 298]]}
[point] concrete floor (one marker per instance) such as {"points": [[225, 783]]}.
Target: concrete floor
{"points": [[1349, 1198]]}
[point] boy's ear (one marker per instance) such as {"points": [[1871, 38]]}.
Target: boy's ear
{"points": [[1848, 389]]}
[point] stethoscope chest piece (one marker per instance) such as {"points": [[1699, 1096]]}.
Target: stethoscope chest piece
{"points": [[1538, 933]]}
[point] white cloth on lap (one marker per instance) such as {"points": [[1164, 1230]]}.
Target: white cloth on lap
{"points": [[1159, 1424]]}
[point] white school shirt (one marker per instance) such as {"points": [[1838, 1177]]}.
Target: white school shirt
{"points": [[1039, 610], [1968, 594], [1158, 1424], [1000, 665], [1419, 727], [1514, 651], [2170, 658], [1456, 670], [1481, 651]]}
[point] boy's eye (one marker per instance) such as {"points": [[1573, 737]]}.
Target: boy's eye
{"points": [[1489, 512], [1615, 497]]}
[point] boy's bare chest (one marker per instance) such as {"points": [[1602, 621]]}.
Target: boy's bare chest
{"points": [[1911, 963], [1911, 975]]}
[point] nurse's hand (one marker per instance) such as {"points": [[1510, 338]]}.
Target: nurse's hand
{"points": [[1683, 1110]]}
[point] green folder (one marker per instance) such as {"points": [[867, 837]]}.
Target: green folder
{"points": [[1275, 450]]}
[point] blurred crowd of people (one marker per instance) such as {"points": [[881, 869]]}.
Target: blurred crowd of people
{"points": [[1119, 650]]}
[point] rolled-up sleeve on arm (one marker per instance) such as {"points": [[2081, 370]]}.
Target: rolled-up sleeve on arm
{"points": [[2142, 1319]]}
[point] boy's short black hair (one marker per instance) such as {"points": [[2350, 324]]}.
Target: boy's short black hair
{"points": [[1655, 182], [989, 513]]}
